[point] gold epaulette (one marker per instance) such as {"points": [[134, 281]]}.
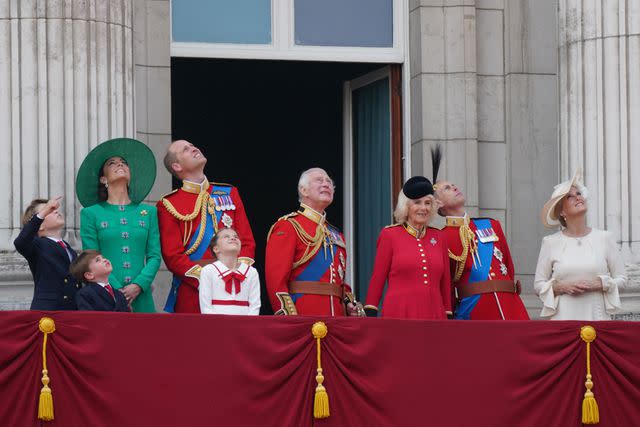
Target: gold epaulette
{"points": [[168, 194], [289, 215], [393, 225], [284, 217]]}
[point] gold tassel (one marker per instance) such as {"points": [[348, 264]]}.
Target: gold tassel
{"points": [[45, 404], [321, 400], [590, 412]]}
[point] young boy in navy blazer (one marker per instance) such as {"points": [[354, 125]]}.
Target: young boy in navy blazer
{"points": [[93, 269], [40, 242]]}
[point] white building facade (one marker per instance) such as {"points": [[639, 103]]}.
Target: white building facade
{"points": [[518, 92]]}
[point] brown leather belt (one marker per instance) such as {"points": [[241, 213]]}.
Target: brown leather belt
{"points": [[488, 286], [315, 288]]}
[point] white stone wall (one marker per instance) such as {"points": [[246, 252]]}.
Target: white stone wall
{"points": [[74, 73], [444, 89], [484, 84], [66, 83], [599, 54]]}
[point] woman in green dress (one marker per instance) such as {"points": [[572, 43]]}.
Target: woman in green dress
{"points": [[112, 181]]}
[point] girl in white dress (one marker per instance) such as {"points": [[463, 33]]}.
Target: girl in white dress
{"points": [[580, 270], [228, 286]]}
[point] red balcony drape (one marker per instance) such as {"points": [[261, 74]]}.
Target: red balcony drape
{"points": [[117, 369]]}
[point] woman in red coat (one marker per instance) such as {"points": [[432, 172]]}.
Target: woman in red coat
{"points": [[412, 258]]}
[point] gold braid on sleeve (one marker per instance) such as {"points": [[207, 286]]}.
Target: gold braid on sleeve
{"points": [[467, 238]]}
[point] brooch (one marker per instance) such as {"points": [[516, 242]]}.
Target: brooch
{"points": [[144, 212], [227, 220], [433, 241]]}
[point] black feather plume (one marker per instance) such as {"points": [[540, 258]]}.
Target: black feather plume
{"points": [[436, 157]]}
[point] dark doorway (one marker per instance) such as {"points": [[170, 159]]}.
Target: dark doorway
{"points": [[260, 124]]}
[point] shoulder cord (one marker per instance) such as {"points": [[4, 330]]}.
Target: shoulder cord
{"points": [[313, 243], [201, 207], [467, 238]]}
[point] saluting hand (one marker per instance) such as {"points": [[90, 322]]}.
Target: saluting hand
{"points": [[51, 206]]}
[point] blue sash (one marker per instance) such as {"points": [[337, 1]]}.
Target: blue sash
{"points": [[209, 232], [315, 269], [478, 272]]}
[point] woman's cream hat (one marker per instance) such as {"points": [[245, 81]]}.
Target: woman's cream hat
{"points": [[548, 215]]}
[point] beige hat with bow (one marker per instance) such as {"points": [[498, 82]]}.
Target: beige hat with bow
{"points": [[548, 213]]}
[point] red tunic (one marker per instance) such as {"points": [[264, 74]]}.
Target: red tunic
{"points": [[417, 270], [285, 247], [487, 307], [175, 232]]}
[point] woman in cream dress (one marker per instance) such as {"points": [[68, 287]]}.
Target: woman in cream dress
{"points": [[580, 270]]}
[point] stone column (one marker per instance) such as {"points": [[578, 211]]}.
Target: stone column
{"points": [[531, 129], [599, 54], [444, 90], [152, 74], [66, 84]]}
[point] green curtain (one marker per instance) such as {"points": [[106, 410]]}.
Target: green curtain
{"points": [[372, 161]]}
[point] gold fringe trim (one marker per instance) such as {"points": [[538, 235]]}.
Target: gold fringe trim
{"points": [[467, 238], [45, 404], [590, 411], [321, 399]]}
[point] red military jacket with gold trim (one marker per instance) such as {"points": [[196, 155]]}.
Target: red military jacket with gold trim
{"points": [[179, 215], [495, 305], [302, 246]]}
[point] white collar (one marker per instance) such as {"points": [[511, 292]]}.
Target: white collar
{"points": [[241, 268]]}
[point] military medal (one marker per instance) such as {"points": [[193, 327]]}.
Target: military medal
{"points": [[433, 241], [227, 220], [216, 203], [498, 254], [487, 235]]}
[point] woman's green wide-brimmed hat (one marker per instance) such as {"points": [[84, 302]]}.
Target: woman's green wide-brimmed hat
{"points": [[142, 165]]}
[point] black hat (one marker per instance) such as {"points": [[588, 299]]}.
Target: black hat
{"points": [[417, 187]]}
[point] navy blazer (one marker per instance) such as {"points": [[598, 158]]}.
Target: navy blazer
{"points": [[96, 298], [55, 288]]}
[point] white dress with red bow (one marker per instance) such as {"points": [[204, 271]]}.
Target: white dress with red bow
{"points": [[223, 291]]}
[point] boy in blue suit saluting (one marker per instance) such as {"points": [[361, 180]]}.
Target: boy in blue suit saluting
{"points": [[40, 242], [97, 294]]}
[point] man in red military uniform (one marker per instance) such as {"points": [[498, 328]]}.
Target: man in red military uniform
{"points": [[188, 219], [306, 257], [482, 272]]}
